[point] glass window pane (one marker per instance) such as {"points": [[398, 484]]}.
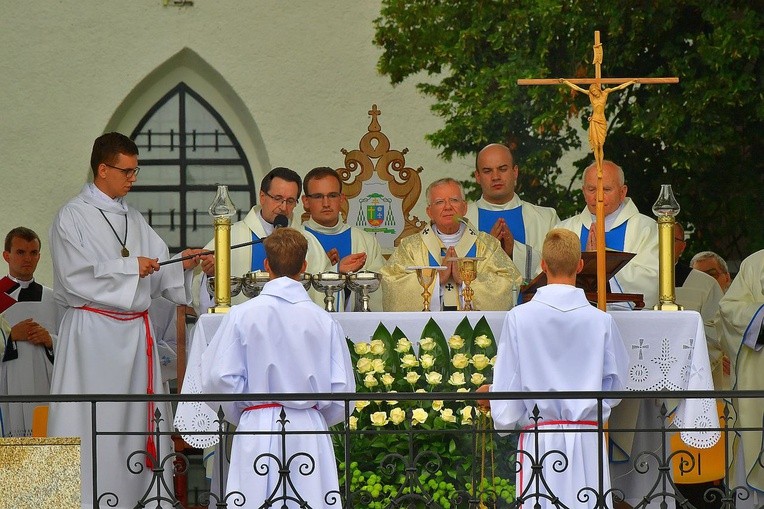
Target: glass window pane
{"points": [[158, 175], [160, 136], [205, 138], [161, 210], [214, 174]]}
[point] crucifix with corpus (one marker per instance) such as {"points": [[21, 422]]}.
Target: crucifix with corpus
{"points": [[597, 133]]}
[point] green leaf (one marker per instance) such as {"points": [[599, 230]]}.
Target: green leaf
{"points": [[440, 352]]}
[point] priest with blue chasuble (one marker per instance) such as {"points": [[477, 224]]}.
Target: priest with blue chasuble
{"points": [[625, 230], [448, 236]]}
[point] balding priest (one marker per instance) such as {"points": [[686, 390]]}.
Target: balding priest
{"points": [[449, 236]]}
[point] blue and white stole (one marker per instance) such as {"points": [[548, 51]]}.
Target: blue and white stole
{"points": [[513, 218], [258, 255]]}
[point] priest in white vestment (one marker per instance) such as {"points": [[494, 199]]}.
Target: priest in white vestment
{"points": [[519, 225], [558, 342], [625, 230], [106, 270], [27, 359], [261, 348], [279, 195], [449, 236], [349, 249], [742, 336]]}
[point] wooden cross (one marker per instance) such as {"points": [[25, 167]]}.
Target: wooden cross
{"points": [[597, 134]]}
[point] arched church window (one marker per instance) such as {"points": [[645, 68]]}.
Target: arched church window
{"points": [[186, 149]]}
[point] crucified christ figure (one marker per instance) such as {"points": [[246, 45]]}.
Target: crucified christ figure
{"points": [[597, 121]]}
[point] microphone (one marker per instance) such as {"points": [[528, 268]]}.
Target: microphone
{"points": [[280, 221]]}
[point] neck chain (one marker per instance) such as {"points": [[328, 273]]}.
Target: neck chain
{"points": [[125, 252]]}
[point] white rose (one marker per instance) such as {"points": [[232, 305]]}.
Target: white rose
{"points": [[480, 361], [477, 379], [466, 415], [457, 378], [379, 418], [360, 405], [392, 402], [388, 379], [403, 346], [483, 341], [413, 377], [447, 415], [361, 348], [437, 404], [397, 415], [418, 416], [427, 344], [363, 365], [409, 361], [456, 342], [427, 361], [433, 378], [493, 360], [370, 380], [378, 365], [353, 423], [377, 347], [460, 361]]}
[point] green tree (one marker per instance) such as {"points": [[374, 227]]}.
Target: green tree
{"points": [[703, 135]]}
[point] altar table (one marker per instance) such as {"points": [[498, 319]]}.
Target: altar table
{"points": [[667, 351]]}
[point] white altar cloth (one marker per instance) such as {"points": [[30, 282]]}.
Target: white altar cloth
{"points": [[667, 351]]}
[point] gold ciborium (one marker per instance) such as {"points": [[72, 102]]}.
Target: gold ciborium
{"points": [[426, 277], [467, 266]]}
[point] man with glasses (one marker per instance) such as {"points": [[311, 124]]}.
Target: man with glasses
{"points": [[519, 225], [279, 194], [713, 265], [106, 272], [349, 249], [449, 235]]}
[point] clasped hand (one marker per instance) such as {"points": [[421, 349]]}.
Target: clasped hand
{"points": [[452, 268]]}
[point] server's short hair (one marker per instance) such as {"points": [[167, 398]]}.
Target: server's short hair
{"points": [[561, 252], [285, 250]]}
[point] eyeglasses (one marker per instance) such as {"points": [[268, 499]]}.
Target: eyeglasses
{"points": [[290, 202], [127, 172], [442, 203], [321, 196]]}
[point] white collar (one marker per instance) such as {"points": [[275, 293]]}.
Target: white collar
{"points": [[97, 198], [450, 239], [23, 284], [511, 204], [328, 230]]}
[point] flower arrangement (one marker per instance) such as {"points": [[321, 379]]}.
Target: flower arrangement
{"points": [[438, 432]]}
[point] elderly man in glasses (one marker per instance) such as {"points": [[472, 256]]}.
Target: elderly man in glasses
{"points": [[449, 235], [279, 194], [349, 249]]}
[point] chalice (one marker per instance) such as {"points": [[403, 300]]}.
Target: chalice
{"points": [[329, 283], [235, 285], [252, 283], [363, 283], [467, 266], [426, 277], [307, 280]]}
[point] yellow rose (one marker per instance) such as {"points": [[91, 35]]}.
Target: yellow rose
{"points": [[379, 418], [353, 423], [378, 365], [377, 347], [360, 405], [363, 365], [418, 416], [427, 344], [409, 361], [483, 341], [361, 348], [456, 342], [462, 389], [460, 361], [388, 379], [477, 379], [447, 415], [437, 404], [457, 378], [370, 380], [427, 361], [397, 415], [413, 377], [420, 390], [403, 346], [493, 360], [480, 361], [433, 378], [466, 415], [392, 402]]}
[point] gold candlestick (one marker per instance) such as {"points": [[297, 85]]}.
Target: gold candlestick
{"points": [[222, 209], [666, 207]]}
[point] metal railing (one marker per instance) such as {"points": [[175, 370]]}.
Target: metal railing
{"points": [[422, 461]]}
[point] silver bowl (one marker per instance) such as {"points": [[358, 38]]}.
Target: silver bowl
{"points": [[363, 283], [306, 278], [329, 283], [235, 286], [252, 282]]}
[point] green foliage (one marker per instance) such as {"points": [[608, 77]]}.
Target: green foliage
{"points": [[703, 136]]}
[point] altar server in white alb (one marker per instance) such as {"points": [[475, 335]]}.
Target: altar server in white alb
{"points": [[27, 361], [349, 249], [105, 264], [558, 342], [279, 194], [519, 225], [446, 237], [625, 230], [742, 334], [281, 342]]}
